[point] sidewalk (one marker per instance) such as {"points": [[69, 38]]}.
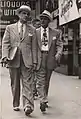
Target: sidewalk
{"points": [[64, 99]]}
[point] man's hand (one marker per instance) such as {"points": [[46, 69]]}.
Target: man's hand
{"points": [[4, 62], [34, 66], [57, 57]]}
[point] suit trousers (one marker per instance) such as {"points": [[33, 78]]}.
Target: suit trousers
{"points": [[41, 77], [27, 77], [47, 71], [47, 81], [15, 85]]}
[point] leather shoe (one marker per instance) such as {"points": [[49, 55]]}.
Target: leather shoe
{"points": [[43, 107], [28, 110], [16, 109], [46, 104]]}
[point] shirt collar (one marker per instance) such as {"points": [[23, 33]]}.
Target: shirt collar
{"points": [[19, 23], [42, 29]]}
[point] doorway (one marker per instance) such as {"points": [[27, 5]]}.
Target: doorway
{"points": [[73, 47]]}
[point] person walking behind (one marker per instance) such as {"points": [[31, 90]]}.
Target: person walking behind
{"points": [[50, 47], [19, 53]]}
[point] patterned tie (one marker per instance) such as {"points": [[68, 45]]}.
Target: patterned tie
{"points": [[21, 32], [45, 40]]}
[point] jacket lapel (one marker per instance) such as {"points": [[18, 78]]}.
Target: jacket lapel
{"points": [[50, 38], [39, 37], [15, 30], [26, 32]]}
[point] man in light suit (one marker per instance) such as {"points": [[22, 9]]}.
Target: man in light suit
{"points": [[50, 47], [19, 52]]}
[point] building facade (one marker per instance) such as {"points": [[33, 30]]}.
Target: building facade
{"points": [[70, 22]]}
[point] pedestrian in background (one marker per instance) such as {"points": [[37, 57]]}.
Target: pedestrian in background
{"points": [[36, 22], [50, 47], [19, 53]]}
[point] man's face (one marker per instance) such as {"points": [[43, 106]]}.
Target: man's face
{"points": [[37, 24], [24, 16], [44, 22]]}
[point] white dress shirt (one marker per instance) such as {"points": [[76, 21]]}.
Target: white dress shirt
{"points": [[19, 27], [44, 48]]}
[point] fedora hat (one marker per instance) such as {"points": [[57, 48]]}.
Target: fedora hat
{"points": [[23, 8], [47, 14]]}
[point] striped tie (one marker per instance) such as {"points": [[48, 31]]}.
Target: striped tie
{"points": [[45, 41], [21, 32]]}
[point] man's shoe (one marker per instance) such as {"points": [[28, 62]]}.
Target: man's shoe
{"points": [[16, 109], [46, 104], [28, 110], [43, 107]]}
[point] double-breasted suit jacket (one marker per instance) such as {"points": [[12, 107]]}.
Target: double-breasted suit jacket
{"points": [[27, 45], [55, 46]]}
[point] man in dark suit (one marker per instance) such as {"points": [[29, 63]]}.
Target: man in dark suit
{"points": [[50, 47], [19, 52]]}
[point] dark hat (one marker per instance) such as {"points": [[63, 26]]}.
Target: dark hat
{"points": [[47, 14], [23, 7]]}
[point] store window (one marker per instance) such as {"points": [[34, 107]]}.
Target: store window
{"points": [[65, 44]]}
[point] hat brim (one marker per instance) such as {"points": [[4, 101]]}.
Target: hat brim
{"points": [[22, 9], [45, 15]]}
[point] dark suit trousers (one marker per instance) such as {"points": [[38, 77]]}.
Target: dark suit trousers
{"points": [[47, 71], [27, 77], [47, 81], [41, 77]]}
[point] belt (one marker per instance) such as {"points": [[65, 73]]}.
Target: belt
{"points": [[46, 52]]}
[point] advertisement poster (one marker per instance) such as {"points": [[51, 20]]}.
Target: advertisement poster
{"points": [[68, 10]]}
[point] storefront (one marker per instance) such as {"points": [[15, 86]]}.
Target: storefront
{"points": [[69, 20]]}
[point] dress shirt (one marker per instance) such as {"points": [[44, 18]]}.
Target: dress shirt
{"points": [[44, 48], [19, 27]]}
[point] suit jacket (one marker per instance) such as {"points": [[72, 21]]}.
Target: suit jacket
{"points": [[26, 46], [55, 46]]}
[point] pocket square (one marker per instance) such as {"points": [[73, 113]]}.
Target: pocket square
{"points": [[54, 37], [29, 34]]}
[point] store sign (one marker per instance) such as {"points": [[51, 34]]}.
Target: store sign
{"points": [[69, 10], [8, 8], [55, 13]]}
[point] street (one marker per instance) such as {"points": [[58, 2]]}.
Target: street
{"points": [[64, 99]]}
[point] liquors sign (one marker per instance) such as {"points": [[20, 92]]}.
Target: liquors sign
{"points": [[8, 8]]}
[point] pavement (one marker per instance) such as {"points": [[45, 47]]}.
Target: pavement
{"points": [[64, 99]]}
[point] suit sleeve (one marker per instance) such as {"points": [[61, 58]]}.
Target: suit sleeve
{"points": [[6, 43], [59, 43], [34, 47]]}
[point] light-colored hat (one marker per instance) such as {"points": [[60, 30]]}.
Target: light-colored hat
{"points": [[23, 7], [47, 14]]}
